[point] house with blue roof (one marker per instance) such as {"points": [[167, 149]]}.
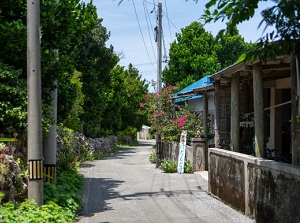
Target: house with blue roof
{"points": [[201, 103]]}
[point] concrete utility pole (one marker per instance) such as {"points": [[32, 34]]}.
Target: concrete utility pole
{"points": [[34, 146], [50, 147], [159, 68], [159, 41]]}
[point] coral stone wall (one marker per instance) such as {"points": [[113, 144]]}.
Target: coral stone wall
{"points": [[265, 190]]}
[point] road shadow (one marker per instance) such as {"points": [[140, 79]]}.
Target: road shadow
{"points": [[101, 190], [123, 153]]}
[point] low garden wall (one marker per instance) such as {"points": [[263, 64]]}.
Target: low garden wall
{"points": [[195, 153], [264, 190]]}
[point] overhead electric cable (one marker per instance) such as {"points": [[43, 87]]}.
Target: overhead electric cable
{"points": [[146, 15], [165, 50], [171, 22], [168, 20], [150, 2], [142, 34]]}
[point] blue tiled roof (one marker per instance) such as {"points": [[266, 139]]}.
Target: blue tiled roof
{"points": [[187, 91]]}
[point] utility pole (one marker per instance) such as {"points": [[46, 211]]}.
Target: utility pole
{"points": [[159, 68], [50, 146], [34, 146], [159, 40]]}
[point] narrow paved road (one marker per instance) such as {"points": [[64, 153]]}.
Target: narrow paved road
{"points": [[126, 187]]}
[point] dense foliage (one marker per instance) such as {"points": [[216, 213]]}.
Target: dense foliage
{"points": [[127, 89], [12, 99], [61, 200], [168, 119], [282, 16], [196, 53], [169, 166], [76, 60]]}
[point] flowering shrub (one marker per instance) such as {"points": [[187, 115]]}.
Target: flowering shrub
{"points": [[168, 119], [12, 178]]}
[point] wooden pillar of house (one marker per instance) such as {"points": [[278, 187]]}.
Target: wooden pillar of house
{"points": [[295, 124], [205, 126], [235, 113], [258, 109], [217, 117]]}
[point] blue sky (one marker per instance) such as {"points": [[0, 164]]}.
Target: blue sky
{"points": [[131, 26]]}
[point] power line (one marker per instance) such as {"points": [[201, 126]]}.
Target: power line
{"points": [[168, 20], [165, 50], [171, 22], [148, 17], [142, 33], [151, 3]]}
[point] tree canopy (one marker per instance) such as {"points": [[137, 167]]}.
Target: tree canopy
{"points": [[196, 53], [282, 15], [76, 60]]}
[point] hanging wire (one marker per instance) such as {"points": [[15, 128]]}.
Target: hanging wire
{"points": [[168, 20], [148, 19], [165, 60], [142, 34], [171, 22]]}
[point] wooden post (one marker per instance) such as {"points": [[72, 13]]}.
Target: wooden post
{"points": [[205, 125], [217, 116], [258, 109], [235, 113], [295, 125]]}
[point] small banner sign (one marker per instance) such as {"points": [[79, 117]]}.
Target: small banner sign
{"points": [[181, 156]]}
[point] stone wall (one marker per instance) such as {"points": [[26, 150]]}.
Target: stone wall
{"points": [[265, 190], [170, 150], [195, 153]]}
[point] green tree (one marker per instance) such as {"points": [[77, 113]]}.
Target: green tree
{"points": [[116, 98], [196, 53], [230, 47], [127, 91], [70, 110], [13, 115], [95, 61], [192, 56], [13, 34], [136, 90], [65, 29]]}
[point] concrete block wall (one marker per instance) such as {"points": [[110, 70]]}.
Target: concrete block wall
{"points": [[265, 190], [195, 153], [170, 150]]}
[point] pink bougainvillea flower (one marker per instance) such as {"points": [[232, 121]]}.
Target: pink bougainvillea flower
{"points": [[155, 114], [158, 94], [141, 105], [181, 121], [181, 124], [148, 96], [168, 87]]}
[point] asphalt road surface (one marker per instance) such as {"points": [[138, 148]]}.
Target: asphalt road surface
{"points": [[126, 187]]}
